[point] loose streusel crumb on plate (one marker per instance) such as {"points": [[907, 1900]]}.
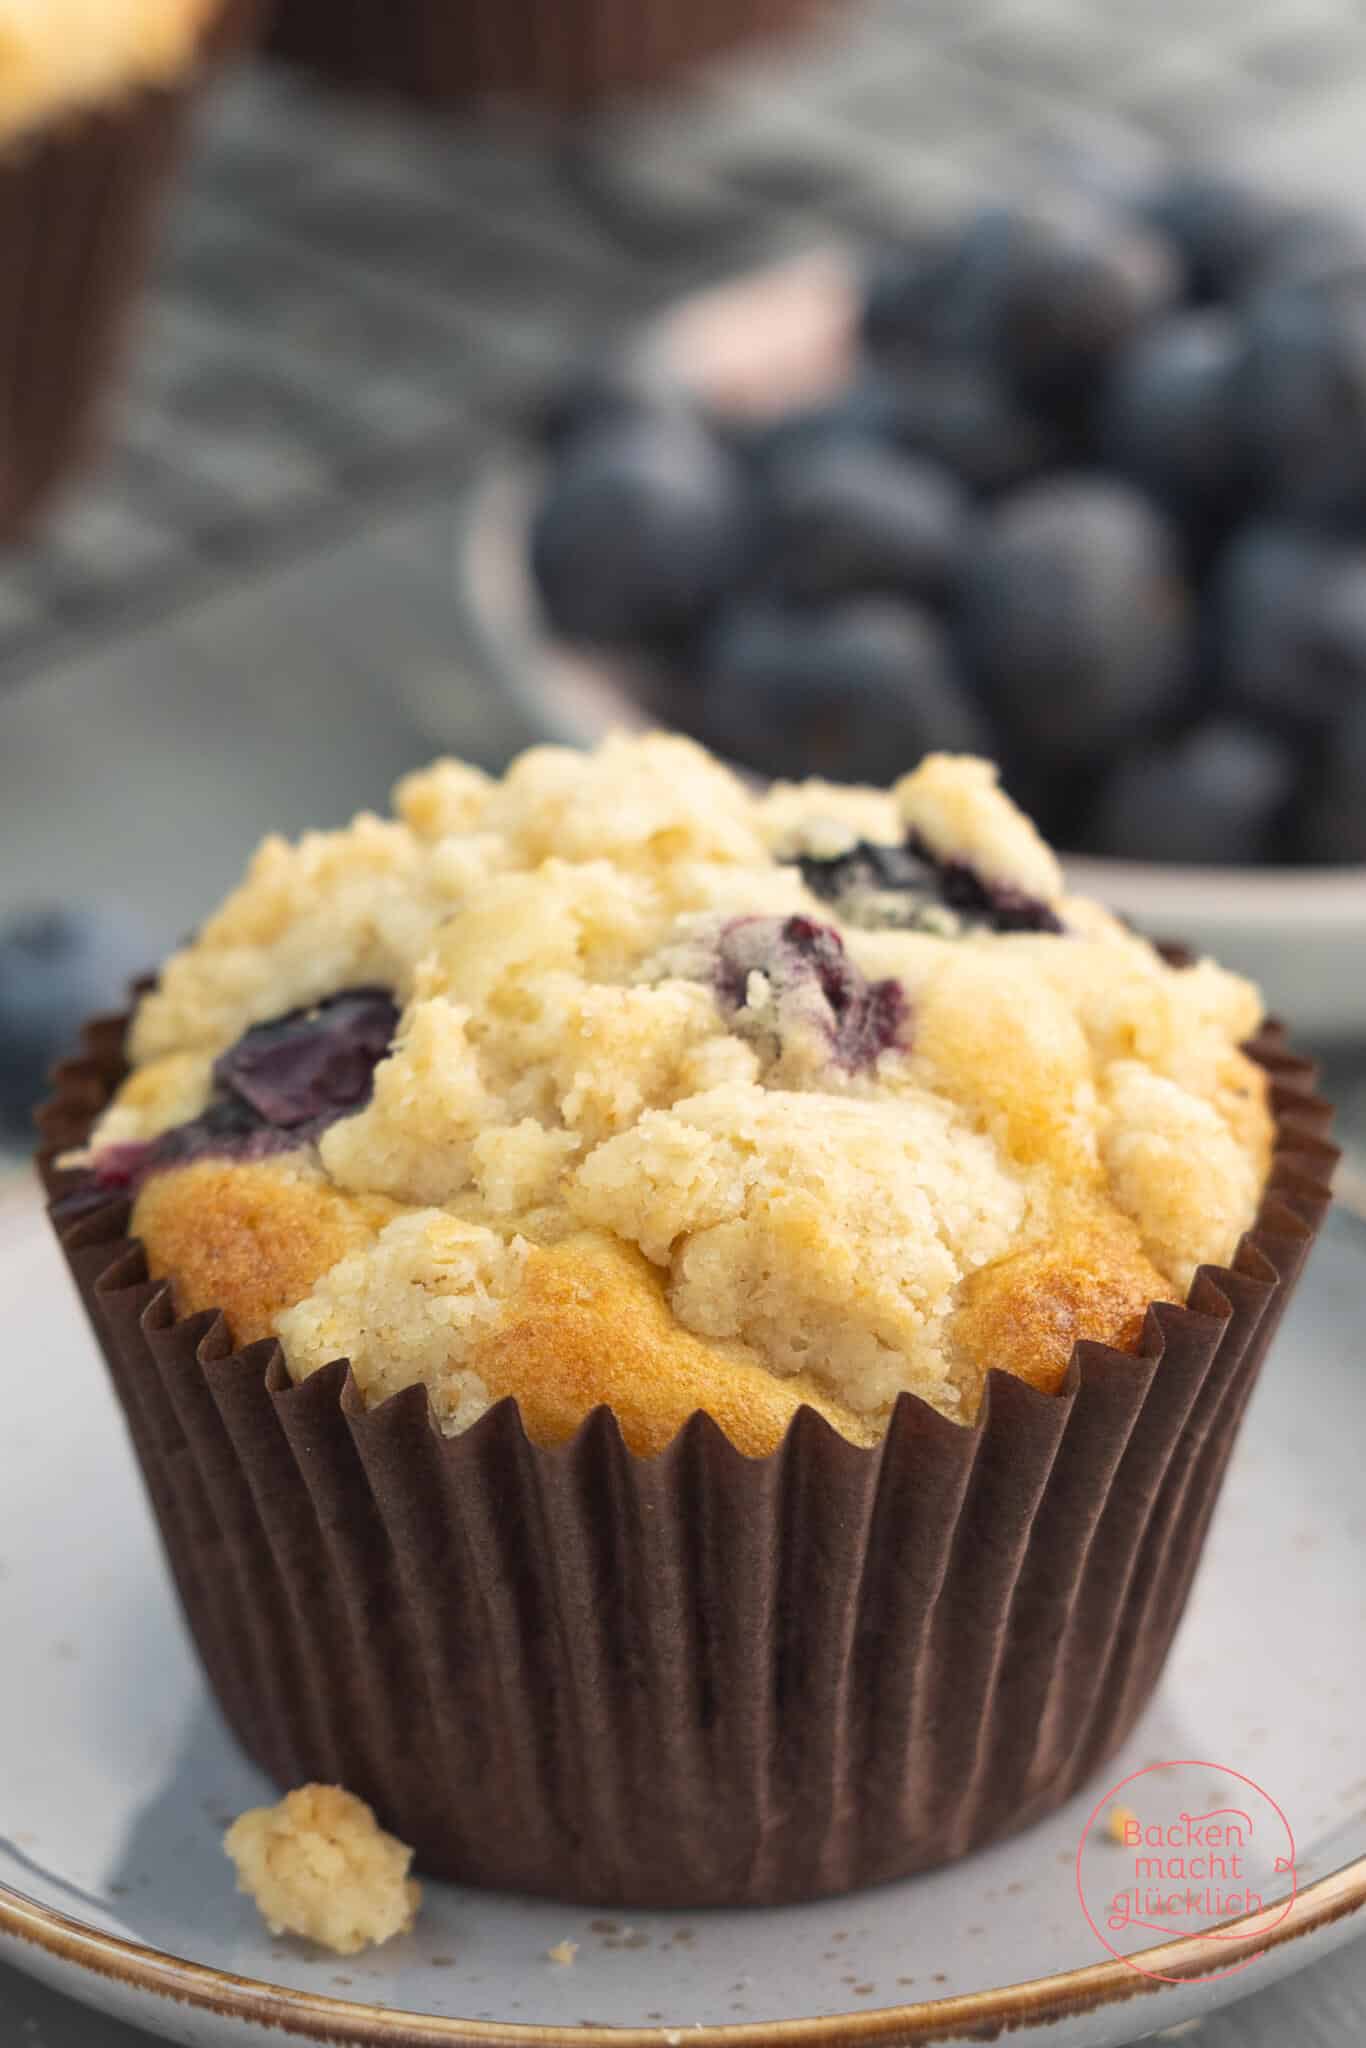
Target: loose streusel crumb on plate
{"points": [[319, 1865], [617, 1081], [1117, 1823]]}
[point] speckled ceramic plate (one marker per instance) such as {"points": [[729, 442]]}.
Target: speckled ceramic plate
{"points": [[775, 340], [117, 1779]]}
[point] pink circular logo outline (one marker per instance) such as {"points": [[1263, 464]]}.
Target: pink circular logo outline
{"points": [[1283, 1863]]}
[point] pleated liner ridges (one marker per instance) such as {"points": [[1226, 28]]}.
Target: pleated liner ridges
{"points": [[78, 203], [559, 52], [703, 1678]]}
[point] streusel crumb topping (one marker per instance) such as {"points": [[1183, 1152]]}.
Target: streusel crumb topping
{"points": [[319, 1865], [693, 1097]]}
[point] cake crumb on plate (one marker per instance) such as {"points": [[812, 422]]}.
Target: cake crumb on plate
{"points": [[1117, 1822], [562, 1952], [319, 1865]]}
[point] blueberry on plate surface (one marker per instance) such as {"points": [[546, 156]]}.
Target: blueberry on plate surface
{"points": [[1335, 826], [1223, 228], [1168, 418], [1301, 395], [643, 528], [1290, 621], [853, 516], [855, 691], [1074, 616], [1221, 795], [59, 965]]}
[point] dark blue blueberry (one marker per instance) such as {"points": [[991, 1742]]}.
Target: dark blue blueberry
{"points": [[813, 981], [928, 296], [879, 875], [278, 1088], [1043, 298], [643, 529], [854, 516], [58, 966], [609, 390], [948, 295], [1169, 417], [1335, 827], [868, 409], [868, 869], [315, 1062], [856, 691], [981, 902], [1302, 397], [1223, 228], [1083, 286], [228, 1129], [1222, 794], [1289, 611], [1075, 617], [961, 415]]}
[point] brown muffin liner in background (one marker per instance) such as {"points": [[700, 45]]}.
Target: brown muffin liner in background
{"points": [[562, 53], [700, 1679], [78, 201], [235, 29]]}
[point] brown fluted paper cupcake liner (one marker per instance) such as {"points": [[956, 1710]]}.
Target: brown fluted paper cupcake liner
{"points": [[557, 52], [78, 203], [701, 1678]]}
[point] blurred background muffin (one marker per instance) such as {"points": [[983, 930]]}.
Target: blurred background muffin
{"points": [[561, 52], [93, 96]]}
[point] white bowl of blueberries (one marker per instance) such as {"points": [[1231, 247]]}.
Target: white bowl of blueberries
{"points": [[1081, 486]]}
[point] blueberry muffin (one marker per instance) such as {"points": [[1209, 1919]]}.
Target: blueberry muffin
{"points": [[616, 1082], [683, 1341], [93, 95]]}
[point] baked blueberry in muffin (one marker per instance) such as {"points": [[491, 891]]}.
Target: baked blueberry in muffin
{"points": [[616, 1081]]}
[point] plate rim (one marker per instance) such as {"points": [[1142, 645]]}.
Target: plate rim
{"points": [[345, 2023]]}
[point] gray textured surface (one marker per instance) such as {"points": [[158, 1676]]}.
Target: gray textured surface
{"points": [[244, 613]]}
